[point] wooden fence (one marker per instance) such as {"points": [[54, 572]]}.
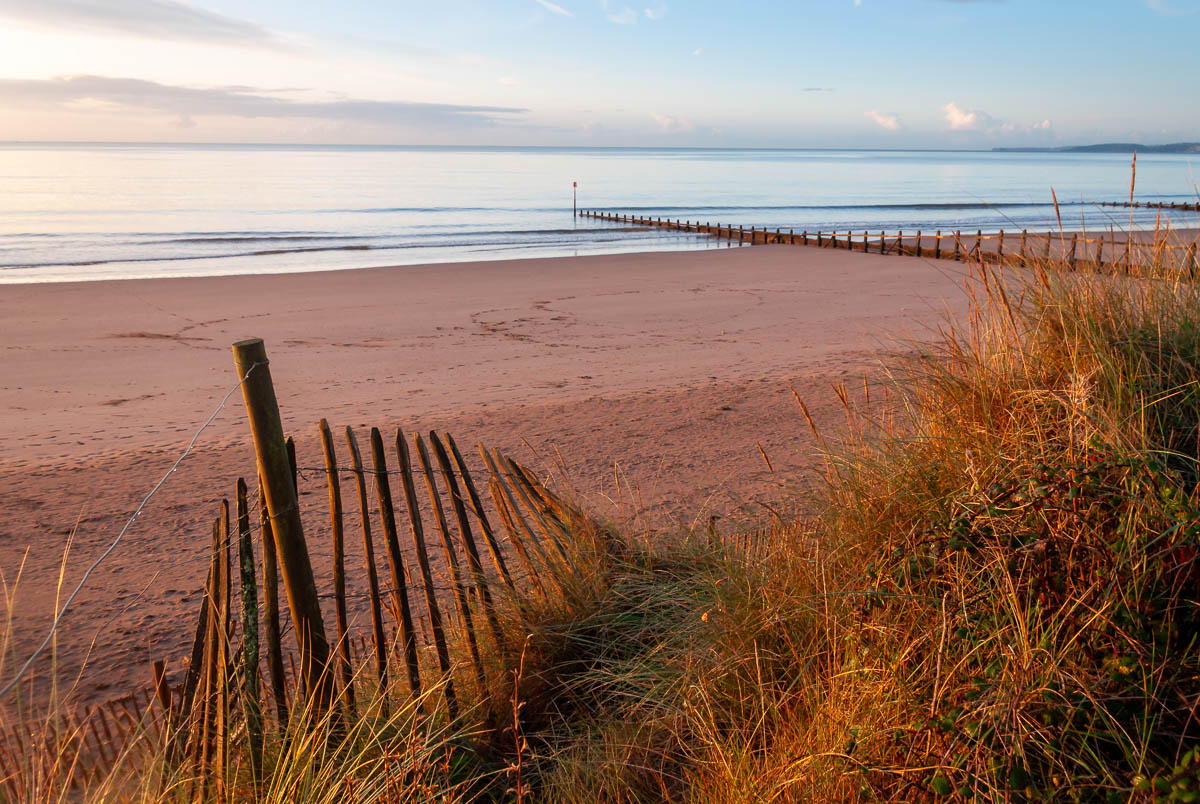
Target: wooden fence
{"points": [[241, 674], [1074, 250]]}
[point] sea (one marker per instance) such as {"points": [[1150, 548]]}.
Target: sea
{"points": [[72, 212]]}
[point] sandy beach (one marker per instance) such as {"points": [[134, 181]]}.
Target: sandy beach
{"points": [[656, 378]]}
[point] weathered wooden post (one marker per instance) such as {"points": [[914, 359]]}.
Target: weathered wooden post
{"points": [[1000, 248], [804, 237], [957, 244], [337, 534], [1074, 245], [865, 249], [937, 244], [1046, 253], [266, 428], [882, 243], [819, 243], [918, 252], [1191, 260], [1024, 237], [900, 242], [978, 243]]}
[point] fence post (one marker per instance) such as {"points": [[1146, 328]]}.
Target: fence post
{"points": [[1191, 260], [1024, 237], [266, 428], [804, 237], [918, 242], [818, 238], [957, 243], [1000, 248], [978, 244], [882, 243], [1074, 244]]}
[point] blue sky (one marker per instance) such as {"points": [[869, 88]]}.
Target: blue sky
{"points": [[835, 73]]}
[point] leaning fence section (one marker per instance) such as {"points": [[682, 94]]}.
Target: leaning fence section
{"points": [[1074, 250], [449, 556]]}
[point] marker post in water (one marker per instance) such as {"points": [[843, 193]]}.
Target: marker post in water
{"points": [[574, 195]]}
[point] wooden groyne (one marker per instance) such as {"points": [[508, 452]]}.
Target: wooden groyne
{"points": [[1018, 248], [1152, 205]]}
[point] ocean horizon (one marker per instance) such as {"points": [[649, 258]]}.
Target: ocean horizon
{"points": [[96, 211]]}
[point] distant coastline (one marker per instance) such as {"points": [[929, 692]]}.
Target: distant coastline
{"points": [[1112, 148]]}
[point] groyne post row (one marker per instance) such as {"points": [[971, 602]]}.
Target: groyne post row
{"points": [[1074, 250], [1152, 205]]}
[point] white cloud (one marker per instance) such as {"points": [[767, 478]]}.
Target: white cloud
{"points": [[151, 19], [887, 120], [960, 119], [668, 124], [554, 8], [657, 11], [95, 94], [697, 51]]}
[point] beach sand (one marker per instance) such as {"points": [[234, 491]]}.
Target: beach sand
{"points": [[657, 378]]}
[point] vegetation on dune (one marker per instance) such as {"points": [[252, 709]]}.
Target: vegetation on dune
{"points": [[995, 598]]}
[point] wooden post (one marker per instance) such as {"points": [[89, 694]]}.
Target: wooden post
{"points": [[1000, 247], [1046, 253], [1100, 251], [251, 706], [1024, 237], [900, 242], [882, 242], [456, 580], [957, 244], [1191, 260], [918, 252], [489, 535], [819, 244], [741, 234], [804, 237], [337, 534], [470, 548], [431, 601], [937, 244], [978, 243], [377, 634], [1074, 244], [262, 410], [387, 513], [271, 603]]}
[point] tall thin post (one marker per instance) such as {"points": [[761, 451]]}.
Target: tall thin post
{"points": [[262, 410], [387, 513], [377, 635], [346, 673], [251, 706]]}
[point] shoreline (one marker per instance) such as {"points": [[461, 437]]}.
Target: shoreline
{"points": [[655, 378], [688, 242]]}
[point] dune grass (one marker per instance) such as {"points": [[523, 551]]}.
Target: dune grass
{"points": [[993, 597]]}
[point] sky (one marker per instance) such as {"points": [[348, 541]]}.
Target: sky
{"points": [[688, 73]]}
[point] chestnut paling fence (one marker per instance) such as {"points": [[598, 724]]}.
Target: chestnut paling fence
{"points": [[501, 536], [1156, 252]]}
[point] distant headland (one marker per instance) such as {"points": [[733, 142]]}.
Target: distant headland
{"points": [[1114, 148]]}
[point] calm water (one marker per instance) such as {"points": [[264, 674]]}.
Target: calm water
{"points": [[104, 212]]}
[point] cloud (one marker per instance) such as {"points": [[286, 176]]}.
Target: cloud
{"points": [[697, 51], [94, 93], [625, 16], [979, 122], [887, 120], [657, 11], [554, 9], [672, 125], [960, 119], [152, 19]]}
